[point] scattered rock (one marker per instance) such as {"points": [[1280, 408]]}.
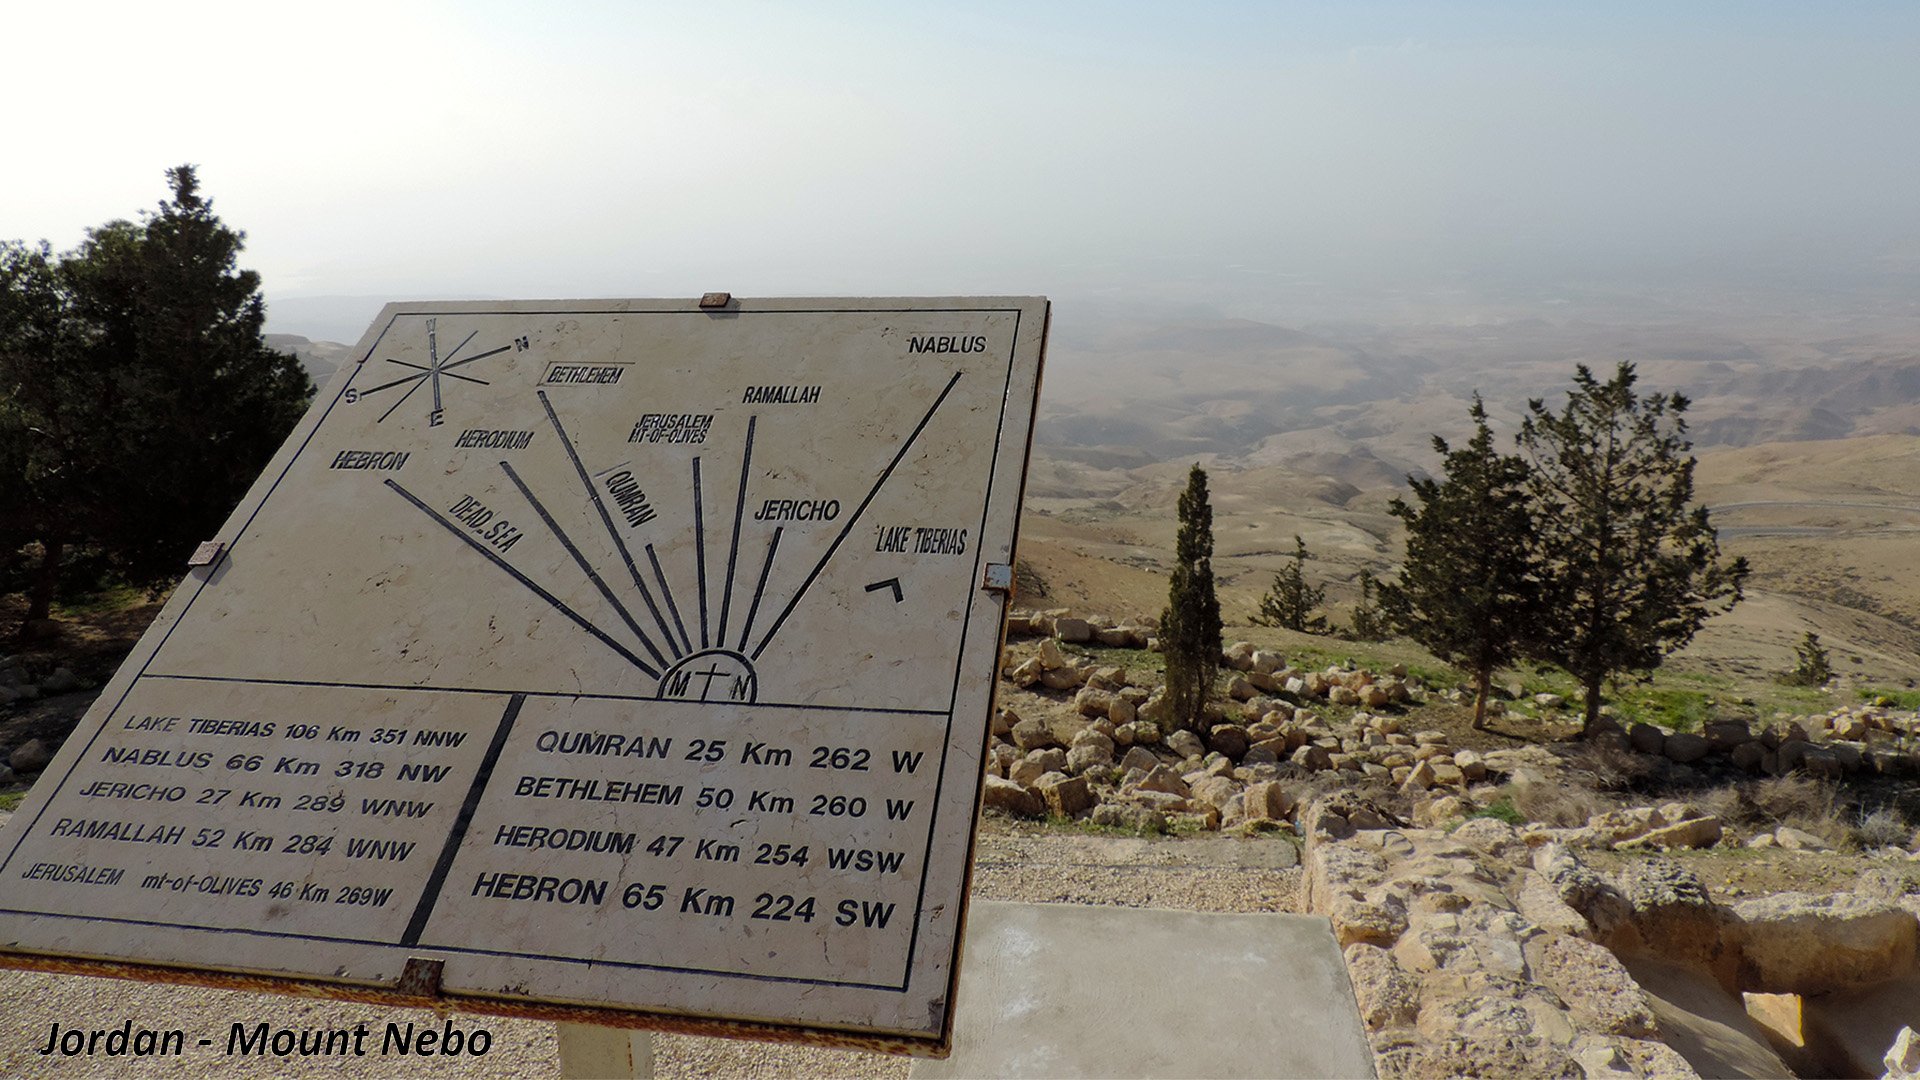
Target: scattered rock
{"points": [[1132, 818], [1072, 631], [1067, 796], [1685, 748], [1009, 797], [30, 756]]}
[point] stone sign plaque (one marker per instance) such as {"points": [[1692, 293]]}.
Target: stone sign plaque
{"points": [[624, 655]]}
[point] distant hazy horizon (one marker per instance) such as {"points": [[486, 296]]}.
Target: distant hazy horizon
{"points": [[1279, 161]]}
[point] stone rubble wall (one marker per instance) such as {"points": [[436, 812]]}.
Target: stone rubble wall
{"points": [[1271, 728], [1494, 950]]}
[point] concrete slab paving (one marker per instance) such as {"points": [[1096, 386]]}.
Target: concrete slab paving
{"points": [[1067, 990]]}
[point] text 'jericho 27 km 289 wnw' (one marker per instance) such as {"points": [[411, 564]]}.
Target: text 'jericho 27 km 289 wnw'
{"points": [[632, 655]]}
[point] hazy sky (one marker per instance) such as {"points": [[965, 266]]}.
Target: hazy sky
{"points": [[1115, 150]]}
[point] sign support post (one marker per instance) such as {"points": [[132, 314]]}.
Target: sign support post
{"points": [[589, 1050]]}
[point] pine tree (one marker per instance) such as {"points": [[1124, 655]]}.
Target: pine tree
{"points": [[1633, 566], [1812, 667], [1368, 622], [1470, 589], [137, 390], [1291, 602], [1190, 627]]}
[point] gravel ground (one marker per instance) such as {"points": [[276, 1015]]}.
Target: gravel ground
{"points": [[1013, 862]]}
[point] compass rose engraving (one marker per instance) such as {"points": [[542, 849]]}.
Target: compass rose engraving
{"points": [[435, 370]]}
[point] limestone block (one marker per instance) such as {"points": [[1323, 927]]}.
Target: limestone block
{"points": [[1697, 833], [30, 756], [1685, 748], [1051, 656], [1066, 795], [1599, 993], [1387, 995], [1375, 918], [1088, 756], [1132, 818], [1810, 944], [1073, 631], [1228, 739], [1065, 678], [1012, 798], [1164, 779], [1266, 801], [1215, 791], [1186, 744], [1646, 738], [1091, 702]]}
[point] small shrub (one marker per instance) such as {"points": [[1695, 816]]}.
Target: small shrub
{"points": [[1883, 827], [1501, 809], [1604, 768], [1563, 806], [1803, 803]]}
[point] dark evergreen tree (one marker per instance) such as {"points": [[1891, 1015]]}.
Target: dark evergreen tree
{"points": [[1634, 567], [1812, 666], [1368, 623], [1470, 589], [135, 388], [1190, 627], [1291, 602]]}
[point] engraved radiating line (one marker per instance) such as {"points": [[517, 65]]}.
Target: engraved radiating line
{"points": [[523, 579], [418, 381], [445, 368], [443, 371], [592, 574], [835, 546], [666, 593], [700, 554], [739, 514], [404, 378], [456, 350], [606, 519], [766, 568]]}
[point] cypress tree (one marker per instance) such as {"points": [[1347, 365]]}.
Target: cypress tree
{"points": [[1190, 627]]}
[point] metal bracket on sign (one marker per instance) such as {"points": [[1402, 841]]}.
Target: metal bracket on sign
{"points": [[999, 578], [421, 977], [206, 554], [716, 299]]}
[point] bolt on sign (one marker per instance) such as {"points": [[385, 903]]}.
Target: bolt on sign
{"points": [[626, 662]]}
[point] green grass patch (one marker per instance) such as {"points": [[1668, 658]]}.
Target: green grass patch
{"points": [[1673, 708], [1501, 809], [106, 601], [10, 801], [1891, 699]]}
